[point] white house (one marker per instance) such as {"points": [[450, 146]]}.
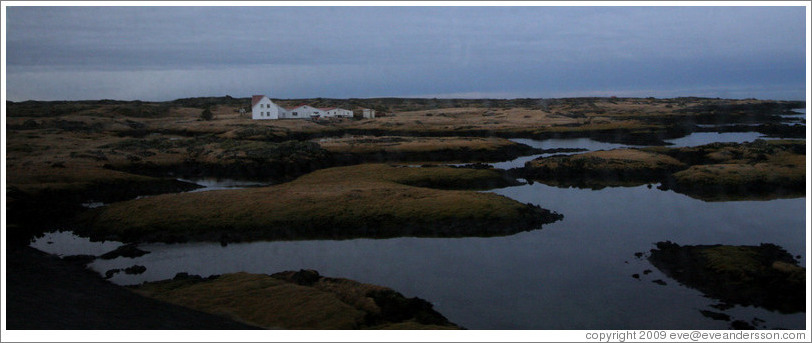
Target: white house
{"points": [[264, 108]]}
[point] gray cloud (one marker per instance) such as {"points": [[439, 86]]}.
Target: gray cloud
{"points": [[162, 53]]}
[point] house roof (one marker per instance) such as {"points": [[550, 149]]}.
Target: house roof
{"points": [[295, 107], [326, 108], [255, 99]]}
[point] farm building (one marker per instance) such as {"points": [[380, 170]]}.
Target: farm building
{"points": [[264, 108], [368, 113]]}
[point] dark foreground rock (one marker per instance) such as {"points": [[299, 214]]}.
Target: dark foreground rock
{"points": [[765, 275], [45, 292]]}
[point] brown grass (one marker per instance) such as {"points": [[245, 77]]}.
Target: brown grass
{"points": [[330, 202], [370, 144], [260, 300], [269, 302]]}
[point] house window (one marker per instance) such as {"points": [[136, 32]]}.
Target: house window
{"points": [[296, 113]]}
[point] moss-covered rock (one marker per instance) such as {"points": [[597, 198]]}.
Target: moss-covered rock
{"points": [[764, 275], [297, 300], [761, 169], [718, 171], [605, 167]]}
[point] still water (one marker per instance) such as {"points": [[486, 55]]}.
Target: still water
{"points": [[572, 274], [693, 139]]}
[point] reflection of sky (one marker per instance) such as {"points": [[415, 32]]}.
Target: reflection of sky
{"points": [[572, 274], [162, 53], [694, 139]]}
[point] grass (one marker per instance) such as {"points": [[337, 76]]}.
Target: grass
{"points": [[259, 300], [619, 167], [371, 144], [765, 275], [712, 172], [371, 200], [762, 169], [272, 302]]}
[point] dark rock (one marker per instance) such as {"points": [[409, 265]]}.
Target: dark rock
{"points": [[765, 275], [127, 250], [647, 271], [110, 273], [660, 282], [715, 315], [638, 254], [397, 308], [741, 325], [79, 259], [304, 277], [136, 269], [636, 276], [722, 306]]}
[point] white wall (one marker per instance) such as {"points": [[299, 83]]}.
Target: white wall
{"points": [[265, 109], [303, 112], [340, 112]]}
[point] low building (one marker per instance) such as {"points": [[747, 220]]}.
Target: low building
{"points": [[368, 113], [263, 108]]}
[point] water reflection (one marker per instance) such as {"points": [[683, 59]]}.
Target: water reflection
{"points": [[574, 274], [693, 139], [213, 184]]}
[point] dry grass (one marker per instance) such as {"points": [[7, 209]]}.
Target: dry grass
{"points": [[398, 144], [771, 167], [335, 202], [632, 160], [270, 302], [260, 300]]}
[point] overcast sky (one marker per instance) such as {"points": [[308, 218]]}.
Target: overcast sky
{"points": [[164, 53]]}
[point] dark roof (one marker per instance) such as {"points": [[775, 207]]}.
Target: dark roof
{"points": [[255, 99]]}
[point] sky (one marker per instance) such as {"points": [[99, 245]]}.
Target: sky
{"points": [[165, 53]]}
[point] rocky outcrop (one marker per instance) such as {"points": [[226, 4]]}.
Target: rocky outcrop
{"points": [[765, 275]]}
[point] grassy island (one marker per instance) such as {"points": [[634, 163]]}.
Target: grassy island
{"points": [[298, 300], [372, 200], [761, 169], [764, 275]]}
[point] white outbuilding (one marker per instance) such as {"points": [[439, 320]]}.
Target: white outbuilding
{"points": [[368, 113]]}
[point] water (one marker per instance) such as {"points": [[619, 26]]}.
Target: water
{"points": [[572, 274], [693, 139], [213, 184], [799, 118], [576, 143], [702, 138], [527, 280], [65, 243]]}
